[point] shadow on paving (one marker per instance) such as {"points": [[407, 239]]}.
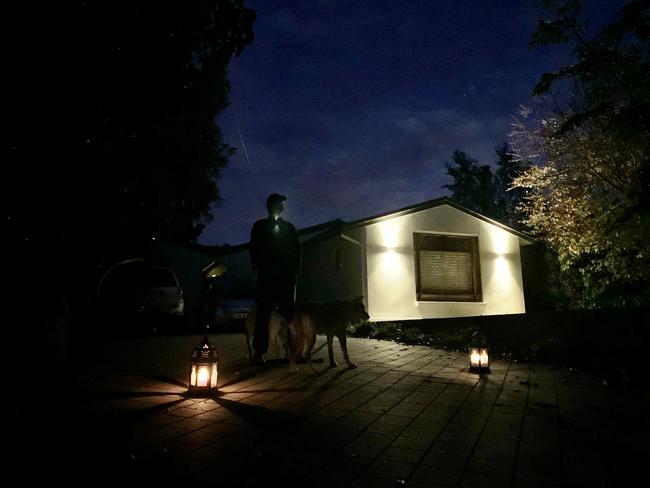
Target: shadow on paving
{"points": [[405, 414], [71, 446]]}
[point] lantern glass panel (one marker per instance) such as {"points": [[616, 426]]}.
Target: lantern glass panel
{"points": [[478, 357], [213, 376], [484, 357], [193, 376], [474, 357], [204, 376]]}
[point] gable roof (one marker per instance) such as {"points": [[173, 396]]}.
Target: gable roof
{"points": [[432, 204], [336, 227]]}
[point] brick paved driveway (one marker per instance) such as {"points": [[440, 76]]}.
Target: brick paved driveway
{"points": [[407, 416]]}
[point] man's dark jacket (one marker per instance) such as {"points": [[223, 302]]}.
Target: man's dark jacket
{"points": [[274, 248]]}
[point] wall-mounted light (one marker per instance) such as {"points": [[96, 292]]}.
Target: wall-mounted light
{"points": [[390, 233], [213, 270], [500, 241]]}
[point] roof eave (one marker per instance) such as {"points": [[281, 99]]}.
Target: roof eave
{"points": [[524, 239]]}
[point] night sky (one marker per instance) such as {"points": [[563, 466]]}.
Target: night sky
{"points": [[351, 108]]}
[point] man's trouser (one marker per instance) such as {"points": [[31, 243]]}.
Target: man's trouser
{"points": [[272, 291]]}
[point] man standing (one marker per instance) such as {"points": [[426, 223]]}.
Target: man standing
{"points": [[275, 254]]}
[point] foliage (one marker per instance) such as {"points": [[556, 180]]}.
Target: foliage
{"points": [[507, 198], [110, 110], [453, 338], [477, 188], [473, 185], [588, 194]]}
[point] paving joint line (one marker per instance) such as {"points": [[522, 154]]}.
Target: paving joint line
{"points": [[469, 457], [521, 431], [419, 462]]}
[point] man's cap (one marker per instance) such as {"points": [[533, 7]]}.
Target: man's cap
{"points": [[275, 197]]}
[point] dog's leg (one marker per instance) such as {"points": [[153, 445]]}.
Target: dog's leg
{"points": [[248, 346], [247, 329], [285, 342], [343, 341], [275, 331], [330, 350], [294, 344], [310, 339]]}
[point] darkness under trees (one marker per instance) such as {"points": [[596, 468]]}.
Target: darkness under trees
{"points": [[108, 111], [108, 136]]}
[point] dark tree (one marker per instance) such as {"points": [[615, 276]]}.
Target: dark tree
{"points": [[610, 78], [108, 136], [109, 113], [507, 198], [485, 196], [473, 185], [463, 171]]}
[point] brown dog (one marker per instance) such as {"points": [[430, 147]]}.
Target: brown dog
{"points": [[311, 318], [328, 318], [277, 332]]}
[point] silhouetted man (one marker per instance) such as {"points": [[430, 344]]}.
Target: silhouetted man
{"points": [[275, 254]]}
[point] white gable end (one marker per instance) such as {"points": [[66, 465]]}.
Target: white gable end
{"points": [[392, 275]]}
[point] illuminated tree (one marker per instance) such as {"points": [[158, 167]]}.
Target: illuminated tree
{"points": [[588, 193]]}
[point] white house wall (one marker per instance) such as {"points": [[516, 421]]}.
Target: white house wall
{"points": [[391, 267]]}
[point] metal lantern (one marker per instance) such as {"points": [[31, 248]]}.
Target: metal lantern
{"points": [[203, 373], [479, 361]]}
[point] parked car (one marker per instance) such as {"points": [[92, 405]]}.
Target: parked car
{"points": [[236, 308], [140, 289], [230, 299]]}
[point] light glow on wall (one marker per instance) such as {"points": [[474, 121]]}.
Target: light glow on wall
{"points": [[392, 251], [390, 265], [500, 240], [390, 261], [502, 254], [391, 273], [391, 233], [501, 267]]}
